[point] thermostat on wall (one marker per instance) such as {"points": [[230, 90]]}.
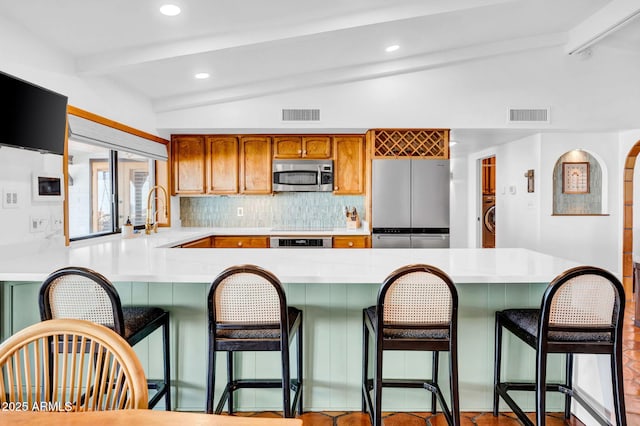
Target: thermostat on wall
{"points": [[48, 187]]}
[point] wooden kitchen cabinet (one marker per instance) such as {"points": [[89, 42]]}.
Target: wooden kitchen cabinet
{"points": [[355, 241], [205, 242], [188, 158], [348, 165], [287, 147], [255, 165], [241, 242], [302, 147], [223, 167]]}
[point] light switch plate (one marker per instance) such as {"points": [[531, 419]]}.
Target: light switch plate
{"points": [[10, 198]]}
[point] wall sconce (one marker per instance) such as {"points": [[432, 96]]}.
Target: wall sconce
{"points": [[529, 175]]}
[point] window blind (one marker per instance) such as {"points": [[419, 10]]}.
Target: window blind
{"points": [[90, 132]]}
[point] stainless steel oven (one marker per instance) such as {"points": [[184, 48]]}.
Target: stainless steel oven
{"points": [[300, 242], [302, 175]]}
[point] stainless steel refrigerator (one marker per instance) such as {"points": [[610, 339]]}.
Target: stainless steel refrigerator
{"points": [[410, 203]]}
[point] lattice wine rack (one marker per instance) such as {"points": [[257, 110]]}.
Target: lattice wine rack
{"points": [[425, 143]]}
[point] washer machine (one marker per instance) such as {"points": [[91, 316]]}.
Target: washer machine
{"points": [[488, 221]]}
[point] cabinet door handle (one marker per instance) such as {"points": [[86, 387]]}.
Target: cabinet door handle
{"points": [[239, 243], [335, 188], [350, 243], [299, 151], [304, 152]]}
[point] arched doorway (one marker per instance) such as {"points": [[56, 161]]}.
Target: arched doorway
{"points": [[627, 220]]}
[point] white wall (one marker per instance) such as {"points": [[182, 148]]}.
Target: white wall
{"points": [[16, 169], [518, 211], [594, 240], [525, 219], [31, 59]]}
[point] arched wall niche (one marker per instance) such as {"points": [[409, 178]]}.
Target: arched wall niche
{"points": [[579, 184]]}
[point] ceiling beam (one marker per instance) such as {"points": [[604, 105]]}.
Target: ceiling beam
{"points": [[361, 72], [105, 62], [604, 22]]}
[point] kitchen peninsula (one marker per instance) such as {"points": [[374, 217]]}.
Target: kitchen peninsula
{"points": [[330, 285]]}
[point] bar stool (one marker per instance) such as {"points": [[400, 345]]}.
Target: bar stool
{"points": [[417, 310], [248, 311], [81, 293], [581, 312]]}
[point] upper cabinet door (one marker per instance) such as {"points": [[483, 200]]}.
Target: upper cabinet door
{"points": [[222, 173], [188, 164], [348, 167], [255, 165], [287, 147], [316, 146], [302, 147]]}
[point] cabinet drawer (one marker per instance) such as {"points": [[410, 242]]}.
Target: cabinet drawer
{"points": [[241, 242], [201, 243], [351, 242]]}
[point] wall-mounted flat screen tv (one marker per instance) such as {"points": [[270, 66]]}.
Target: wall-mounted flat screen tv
{"points": [[33, 118]]}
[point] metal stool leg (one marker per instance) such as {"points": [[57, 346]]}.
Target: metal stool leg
{"points": [[618, 386], [167, 364], [434, 377], [569, 383], [541, 388], [496, 365], [377, 387], [300, 369], [211, 377], [365, 361], [230, 378], [286, 380], [455, 396]]}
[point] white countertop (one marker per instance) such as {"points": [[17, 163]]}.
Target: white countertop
{"points": [[147, 258]]}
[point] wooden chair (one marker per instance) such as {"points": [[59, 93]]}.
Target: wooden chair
{"points": [[417, 310], [81, 293], [248, 311], [70, 365], [581, 312]]}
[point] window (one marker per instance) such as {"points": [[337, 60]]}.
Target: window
{"points": [[111, 169], [105, 188]]}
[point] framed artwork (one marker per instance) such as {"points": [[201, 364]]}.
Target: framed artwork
{"points": [[575, 178]]}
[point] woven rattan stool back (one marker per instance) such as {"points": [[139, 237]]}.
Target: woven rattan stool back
{"points": [[418, 297], [584, 300], [81, 293], [247, 298], [248, 295]]}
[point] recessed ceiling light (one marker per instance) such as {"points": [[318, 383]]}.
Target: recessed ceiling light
{"points": [[202, 75], [392, 48], [170, 10]]}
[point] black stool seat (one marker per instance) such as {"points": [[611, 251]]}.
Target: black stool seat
{"points": [[136, 318], [81, 293], [525, 322], [420, 331], [581, 313], [252, 331]]}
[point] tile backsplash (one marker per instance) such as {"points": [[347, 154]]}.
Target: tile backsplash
{"points": [[286, 210]]}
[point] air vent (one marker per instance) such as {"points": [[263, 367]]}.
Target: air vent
{"points": [[529, 115], [300, 115]]}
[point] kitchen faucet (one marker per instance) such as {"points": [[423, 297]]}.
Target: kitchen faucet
{"points": [[148, 226]]}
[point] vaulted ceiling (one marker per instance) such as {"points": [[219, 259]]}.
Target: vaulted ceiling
{"points": [[252, 48]]}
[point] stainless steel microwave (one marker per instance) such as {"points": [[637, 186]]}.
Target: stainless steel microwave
{"points": [[302, 175]]}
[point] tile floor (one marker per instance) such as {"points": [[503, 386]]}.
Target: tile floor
{"points": [[631, 358]]}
